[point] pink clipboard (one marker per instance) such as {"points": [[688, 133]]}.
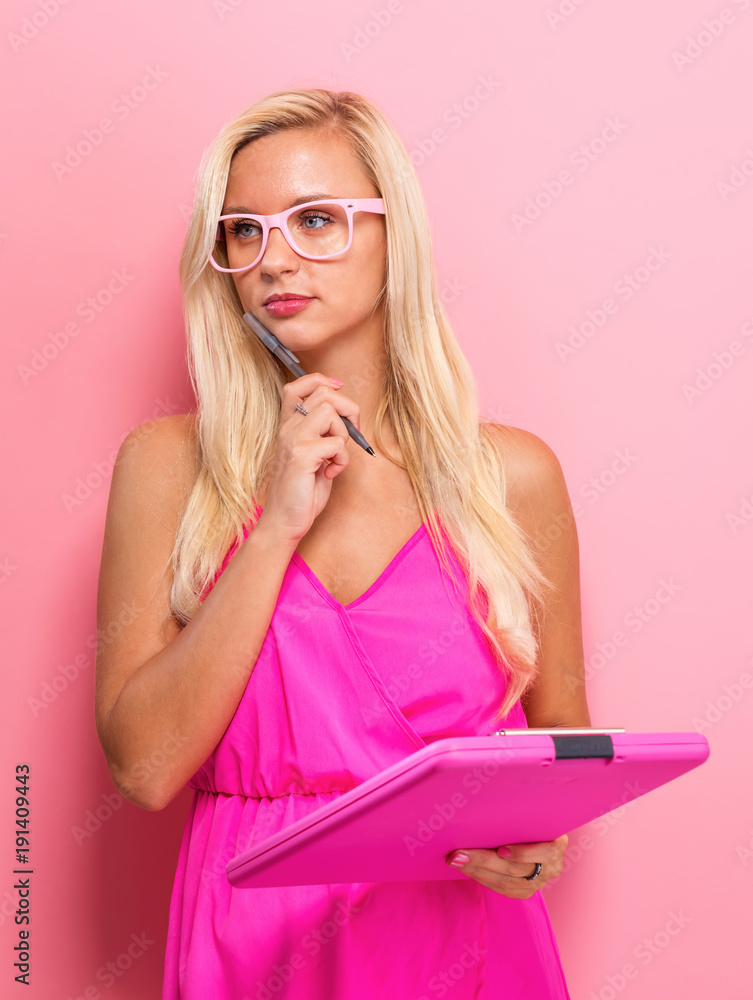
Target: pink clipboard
{"points": [[515, 786]]}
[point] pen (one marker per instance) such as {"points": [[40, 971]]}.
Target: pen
{"points": [[291, 363]]}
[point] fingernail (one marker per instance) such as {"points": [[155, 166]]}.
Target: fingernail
{"points": [[336, 381], [504, 852], [459, 859]]}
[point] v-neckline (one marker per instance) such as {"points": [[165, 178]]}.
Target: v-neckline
{"points": [[386, 572]]}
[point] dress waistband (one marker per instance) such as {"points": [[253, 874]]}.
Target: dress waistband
{"points": [[260, 798]]}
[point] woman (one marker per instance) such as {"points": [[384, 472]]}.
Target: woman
{"points": [[295, 632]]}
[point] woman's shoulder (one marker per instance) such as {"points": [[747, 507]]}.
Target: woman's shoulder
{"points": [[164, 432], [162, 451], [531, 468]]}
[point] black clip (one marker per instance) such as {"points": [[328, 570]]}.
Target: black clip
{"points": [[569, 747]]}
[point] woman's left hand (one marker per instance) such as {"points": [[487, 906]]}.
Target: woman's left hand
{"points": [[507, 875]]}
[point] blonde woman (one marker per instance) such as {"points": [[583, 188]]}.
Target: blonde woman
{"points": [[310, 613]]}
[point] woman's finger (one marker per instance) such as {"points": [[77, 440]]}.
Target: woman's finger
{"points": [[313, 400], [546, 850], [505, 877]]}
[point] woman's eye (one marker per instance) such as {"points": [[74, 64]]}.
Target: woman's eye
{"points": [[244, 228], [314, 218]]}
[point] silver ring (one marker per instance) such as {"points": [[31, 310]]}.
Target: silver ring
{"points": [[299, 407], [534, 874]]}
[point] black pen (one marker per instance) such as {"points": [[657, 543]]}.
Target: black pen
{"points": [[291, 363]]}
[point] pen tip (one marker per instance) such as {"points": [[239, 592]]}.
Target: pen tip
{"points": [[370, 450]]}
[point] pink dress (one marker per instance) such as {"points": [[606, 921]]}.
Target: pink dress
{"points": [[339, 693]]}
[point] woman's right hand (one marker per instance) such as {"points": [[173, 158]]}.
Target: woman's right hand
{"points": [[311, 451]]}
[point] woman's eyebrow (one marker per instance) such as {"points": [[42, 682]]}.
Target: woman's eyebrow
{"points": [[236, 209]]}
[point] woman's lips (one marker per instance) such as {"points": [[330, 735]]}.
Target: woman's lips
{"points": [[284, 307]]}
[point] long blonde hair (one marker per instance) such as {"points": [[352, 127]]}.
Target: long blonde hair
{"points": [[428, 390]]}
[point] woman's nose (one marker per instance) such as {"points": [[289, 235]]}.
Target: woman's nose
{"points": [[277, 250]]}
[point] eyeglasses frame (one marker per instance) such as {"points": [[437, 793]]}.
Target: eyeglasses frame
{"points": [[279, 221]]}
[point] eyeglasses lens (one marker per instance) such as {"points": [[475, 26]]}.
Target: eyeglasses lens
{"points": [[318, 230]]}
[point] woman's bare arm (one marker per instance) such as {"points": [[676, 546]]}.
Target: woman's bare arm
{"points": [[540, 504], [165, 695]]}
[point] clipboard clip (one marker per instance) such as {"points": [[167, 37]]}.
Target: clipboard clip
{"points": [[574, 744]]}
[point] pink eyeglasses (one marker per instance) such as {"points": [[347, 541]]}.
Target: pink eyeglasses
{"points": [[316, 230]]}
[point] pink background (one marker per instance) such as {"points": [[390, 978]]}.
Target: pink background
{"points": [[661, 481]]}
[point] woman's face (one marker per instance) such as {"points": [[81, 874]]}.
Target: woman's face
{"points": [[268, 176]]}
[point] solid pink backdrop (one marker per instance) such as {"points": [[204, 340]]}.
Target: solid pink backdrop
{"points": [[605, 306]]}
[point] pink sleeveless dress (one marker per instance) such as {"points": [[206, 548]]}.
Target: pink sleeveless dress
{"points": [[339, 693]]}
